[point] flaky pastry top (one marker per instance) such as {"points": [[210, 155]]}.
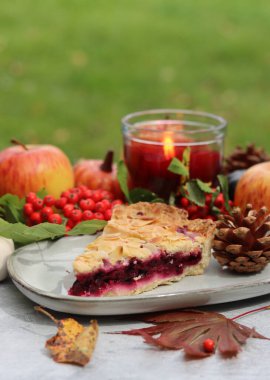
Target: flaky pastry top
{"points": [[140, 231]]}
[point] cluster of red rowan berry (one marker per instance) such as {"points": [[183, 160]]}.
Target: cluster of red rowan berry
{"points": [[74, 206], [210, 210]]}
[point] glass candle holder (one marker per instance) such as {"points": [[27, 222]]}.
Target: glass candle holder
{"points": [[153, 138]]}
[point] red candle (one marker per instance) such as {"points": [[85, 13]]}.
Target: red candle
{"points": [[148, 165], [150, 146]]}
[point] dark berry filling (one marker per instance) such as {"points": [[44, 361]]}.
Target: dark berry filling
{"points": [[163, 265]]}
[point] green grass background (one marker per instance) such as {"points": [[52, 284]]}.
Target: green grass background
{"points": [[70, 69]]}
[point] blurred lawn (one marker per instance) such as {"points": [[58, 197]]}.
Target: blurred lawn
{"points": [[70, 69]]}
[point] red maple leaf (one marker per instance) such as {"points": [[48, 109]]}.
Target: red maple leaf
{"points": [[188, 330]]}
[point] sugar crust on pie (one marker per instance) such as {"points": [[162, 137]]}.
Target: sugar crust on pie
{"points": [[144, 245]]}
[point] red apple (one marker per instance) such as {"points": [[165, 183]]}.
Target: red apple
{"points": [[25, 168], [254, 187], [98, 174]]}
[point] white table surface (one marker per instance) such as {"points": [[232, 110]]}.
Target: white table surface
{"points": [[23, 333]]}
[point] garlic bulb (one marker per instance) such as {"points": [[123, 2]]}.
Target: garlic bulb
{"points": [[6, 249]]}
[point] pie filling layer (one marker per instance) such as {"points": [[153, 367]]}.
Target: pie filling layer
{"points": [[134, 274]]}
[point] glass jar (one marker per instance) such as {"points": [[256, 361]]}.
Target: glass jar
{"points": [[153, 138]]}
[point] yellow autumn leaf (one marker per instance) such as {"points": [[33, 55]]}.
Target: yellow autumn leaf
{"points": [[73, 342]]}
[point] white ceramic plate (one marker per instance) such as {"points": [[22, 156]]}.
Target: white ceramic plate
{"points": [[43, 272]]}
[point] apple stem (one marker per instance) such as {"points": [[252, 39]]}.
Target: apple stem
{"points": [[107, 164], [17, 142]]}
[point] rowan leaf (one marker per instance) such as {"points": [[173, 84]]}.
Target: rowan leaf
{"points": [[177, 167], [188, 329], [73, 342]]}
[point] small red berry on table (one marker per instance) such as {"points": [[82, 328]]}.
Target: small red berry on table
{"points": [[209, 345]]}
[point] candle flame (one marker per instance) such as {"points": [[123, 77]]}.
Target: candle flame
{"points": [[168, 147]]}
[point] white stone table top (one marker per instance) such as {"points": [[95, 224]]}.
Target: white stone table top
{"points": [[23, 333]]}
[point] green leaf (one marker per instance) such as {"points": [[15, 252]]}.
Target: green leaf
{"points": [[12, 208], [143, 195], [195, 194], [186, 156], [122, 176], [172, 199], [224, 184], [204, 186], [88, 227], [42, 193], [22, 234], [177, 167]]}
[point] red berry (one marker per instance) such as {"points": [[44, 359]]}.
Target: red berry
{"points": [[99, 216], [203, 211], [192, 209], [106, 204], [97, 196], [208, 199], [116, 202], [35, 217], [70, 223], [219, 201], [55, 219], [67, 209], [31, 197], [209, 345], [78, 191], [49, 200], [28, 209], [87, 215], [184, 202], [38, 204], [230, 203], [211, 217], [108, 214], [87, 194], [60, 203], [65, 193], [100, 207], [87, 204], [46, 212], [107, 195], [76, 215], [73, 198]]}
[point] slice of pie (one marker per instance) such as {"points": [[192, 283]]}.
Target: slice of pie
{"points": [[144, 245]]}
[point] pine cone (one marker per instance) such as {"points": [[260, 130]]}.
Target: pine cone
{"points": [[244, 158], [242, 240]]}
